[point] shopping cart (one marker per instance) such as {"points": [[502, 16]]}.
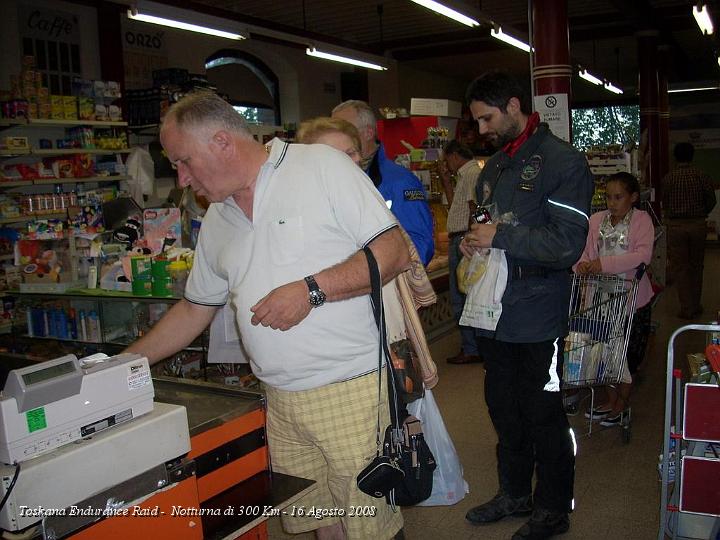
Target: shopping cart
{"points": [[601, 313], [689, 498]]}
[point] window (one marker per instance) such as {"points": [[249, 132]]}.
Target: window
{"points": [[606, 125]]}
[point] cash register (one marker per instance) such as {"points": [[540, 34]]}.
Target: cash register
{"points": [[71, 428]]}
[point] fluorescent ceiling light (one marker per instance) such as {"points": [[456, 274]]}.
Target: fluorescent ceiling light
{"points": [[702, 17], [515, 42], [448, 12], [696, 89], [612, 88], [312, 51], [164, 15], [589, 77]]}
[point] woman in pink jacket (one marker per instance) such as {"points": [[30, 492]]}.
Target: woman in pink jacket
{"points": [[619, 240]]}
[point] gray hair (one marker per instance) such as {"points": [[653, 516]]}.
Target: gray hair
{"points": [[203, 109], [366, 116]]}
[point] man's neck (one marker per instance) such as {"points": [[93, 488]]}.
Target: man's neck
{"points": [[252, 157], [522, 123], [370, 147]]}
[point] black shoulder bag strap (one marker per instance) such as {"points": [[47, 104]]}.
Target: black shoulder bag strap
{"points": [[379, 312]]}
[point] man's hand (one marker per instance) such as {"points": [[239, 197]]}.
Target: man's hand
{"points": [[480, 236], [283, 307]]}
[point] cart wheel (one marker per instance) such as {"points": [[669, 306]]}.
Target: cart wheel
{"points": [[626, 435]]}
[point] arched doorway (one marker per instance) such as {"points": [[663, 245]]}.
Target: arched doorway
{"points": [[247, 80]]}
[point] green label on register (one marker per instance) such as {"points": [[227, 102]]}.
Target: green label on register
{"points": [[36, 419]]}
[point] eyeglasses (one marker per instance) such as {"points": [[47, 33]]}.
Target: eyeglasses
{"points": [[181, 161]]}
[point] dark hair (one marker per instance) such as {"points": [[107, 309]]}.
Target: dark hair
{"points": [[629, 182], [684, 152], [495, 88], [456, 147]]}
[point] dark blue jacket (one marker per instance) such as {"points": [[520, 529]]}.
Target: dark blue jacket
{"points": [[407, 200], [548, 187]]}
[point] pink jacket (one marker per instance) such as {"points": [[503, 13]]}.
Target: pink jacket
{"points": [[642, 238]]}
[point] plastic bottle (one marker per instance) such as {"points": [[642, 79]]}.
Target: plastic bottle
{"points": [[72, 324], [83, 326], [179, 273], [29, 318], [93, 327]]}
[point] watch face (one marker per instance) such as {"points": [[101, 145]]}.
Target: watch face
{"points": [[317, 298]]}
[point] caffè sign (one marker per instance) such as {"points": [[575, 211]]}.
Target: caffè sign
{"points": [[40, 22]]}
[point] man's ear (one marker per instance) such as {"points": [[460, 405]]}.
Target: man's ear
{"points": [[222, 141], [513, 106]]}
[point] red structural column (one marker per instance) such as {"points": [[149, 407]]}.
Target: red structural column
{"points": [[552, 72], [649, 108]]}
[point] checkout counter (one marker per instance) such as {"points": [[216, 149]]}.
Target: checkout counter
{"points": [[95, 449]]}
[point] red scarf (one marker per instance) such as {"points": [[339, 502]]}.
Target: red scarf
{"points": [[513, 146]]}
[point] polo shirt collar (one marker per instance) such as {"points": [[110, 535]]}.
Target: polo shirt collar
{"points": [[278, 149]]}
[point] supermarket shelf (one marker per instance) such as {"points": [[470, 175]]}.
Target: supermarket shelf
{"points": [[53, 181], [71, 151], [16, 183], [25, 219], [46, 122], [78, 180], [71, 123], [15, 152]]}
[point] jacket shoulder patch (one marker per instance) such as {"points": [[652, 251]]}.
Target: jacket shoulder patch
{"points": [[414, 195]]}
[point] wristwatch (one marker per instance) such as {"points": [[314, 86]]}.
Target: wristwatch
{"points": [[316, 296]]}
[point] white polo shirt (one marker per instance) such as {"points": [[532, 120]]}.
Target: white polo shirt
{"points": [[313, 208]]}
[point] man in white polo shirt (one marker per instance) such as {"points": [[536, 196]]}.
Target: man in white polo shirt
{"points": [[282, 242]]}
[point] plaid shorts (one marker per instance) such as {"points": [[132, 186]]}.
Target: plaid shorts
{"points": [[328, 434]]}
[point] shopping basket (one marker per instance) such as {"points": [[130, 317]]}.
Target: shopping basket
{"points": [[600, 319]]}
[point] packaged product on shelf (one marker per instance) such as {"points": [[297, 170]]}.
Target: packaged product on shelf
{"points": [[83, 166], [70, 107], [63, 168], [82, 87], [45, 229], [86, 108], [57, 107], [9, 207], [162, 228], [14, 143], [114, 113], [101, 112], [112, 89], [99, 89]]}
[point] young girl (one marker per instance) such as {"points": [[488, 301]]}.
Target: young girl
{"points": [[619, 240]]}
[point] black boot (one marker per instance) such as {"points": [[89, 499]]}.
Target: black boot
{"points": [[502, 505], [543, 524]]}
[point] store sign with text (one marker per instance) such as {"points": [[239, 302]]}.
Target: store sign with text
{"points": [[553, 109], [40, 22], [143, 37]]}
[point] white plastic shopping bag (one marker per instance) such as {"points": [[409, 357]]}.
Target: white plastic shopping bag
{"points": [[449, 486], [483, 303]]}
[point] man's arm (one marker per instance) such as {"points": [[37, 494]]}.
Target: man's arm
{"points": [[446, 178], [176, 330], [288, 305]]}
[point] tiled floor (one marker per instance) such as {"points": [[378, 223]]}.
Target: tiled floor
{"points": [[617, 492]]}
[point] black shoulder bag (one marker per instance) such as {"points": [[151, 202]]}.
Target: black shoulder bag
{"points": [[402, 469]]}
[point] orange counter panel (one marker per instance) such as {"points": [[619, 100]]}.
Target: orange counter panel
{"points": [[206, 441], [161, 527], [231, 474]]}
